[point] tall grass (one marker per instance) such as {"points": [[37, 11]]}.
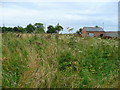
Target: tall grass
{"points": [[59, 61], [0, 61]]}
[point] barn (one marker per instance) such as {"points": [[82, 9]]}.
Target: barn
{"points": [[112, 34], [93, 31]]}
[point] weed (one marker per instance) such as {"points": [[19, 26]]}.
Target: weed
{"points": [[59, 61]]}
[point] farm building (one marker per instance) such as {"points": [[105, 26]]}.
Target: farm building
{"points": [[111, 34], [93, 31]]}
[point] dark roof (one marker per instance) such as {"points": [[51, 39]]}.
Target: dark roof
{"points": [[99, 29], [111, 31], [112, 34]]}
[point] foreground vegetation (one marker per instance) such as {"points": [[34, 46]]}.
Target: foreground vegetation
{"points": [[59, 61]]}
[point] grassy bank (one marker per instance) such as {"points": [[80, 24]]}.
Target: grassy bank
{"points": [[59, 61]]}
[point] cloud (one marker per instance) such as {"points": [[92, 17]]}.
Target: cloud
{"points": [[59, 0], [70, 14]]}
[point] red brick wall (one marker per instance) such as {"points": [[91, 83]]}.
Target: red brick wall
{"points": [[97, 34], [84, 33]]}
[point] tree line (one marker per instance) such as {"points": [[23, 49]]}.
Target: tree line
{"points": [[36, 28]]}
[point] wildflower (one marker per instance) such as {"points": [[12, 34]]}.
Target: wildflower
{"points": [[60, 38], [80, 51], [76, 41], [116, 46], [69, 48], [91, 45], [99, 38], [74, 62]]}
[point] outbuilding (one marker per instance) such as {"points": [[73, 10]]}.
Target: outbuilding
{"points": [[93, 31]]}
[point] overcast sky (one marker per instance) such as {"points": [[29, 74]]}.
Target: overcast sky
{"points": [[73, 14]]}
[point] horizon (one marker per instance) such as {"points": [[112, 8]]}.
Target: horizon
{"points": [[81, 14]]}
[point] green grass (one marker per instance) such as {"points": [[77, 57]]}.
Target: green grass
{"points": [[59, 61], [0, 61]]}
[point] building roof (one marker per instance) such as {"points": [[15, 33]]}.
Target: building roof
{"points": [[98, 29], [112, 34]]}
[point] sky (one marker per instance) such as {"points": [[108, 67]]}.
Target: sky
{"points": [[75, 14]]}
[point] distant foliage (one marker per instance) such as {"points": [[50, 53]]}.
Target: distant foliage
{"points": [[70, 29], [30, 28], [51, 29], [56, 29], [36, 28], [39, 28], [79, 31]]}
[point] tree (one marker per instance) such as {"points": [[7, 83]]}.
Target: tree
{"points": [[4, 29], [30, 28], [9, 29], [15, 29], [21, 29], [58, 28], [70, 29], [51, 29], [39, 28], [79, 31], [96, 26]]}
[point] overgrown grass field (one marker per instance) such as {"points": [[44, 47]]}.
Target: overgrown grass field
{"points": [[59, 61]]}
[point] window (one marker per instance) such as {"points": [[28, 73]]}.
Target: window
{"points": [[91, 34]]}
